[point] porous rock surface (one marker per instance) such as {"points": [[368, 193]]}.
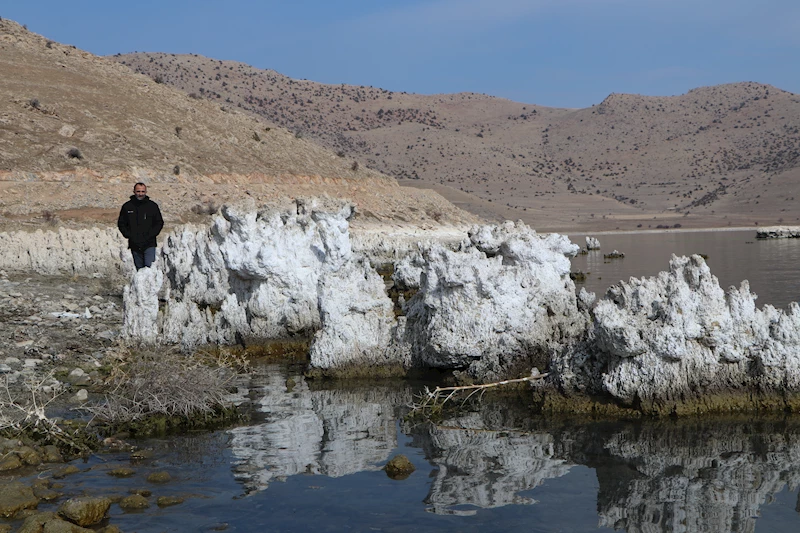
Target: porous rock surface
{"points": [[505, 294], [679, 335], [269, 275]]}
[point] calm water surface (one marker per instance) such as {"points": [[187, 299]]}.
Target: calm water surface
{"points": [[772, 267], [311, 461]]}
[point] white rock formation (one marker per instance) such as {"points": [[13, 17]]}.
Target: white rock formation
{"points": [[140, 305], [778, 232], [505, 294], [267, 275], [65, 251], [592, 243], [679, 335]]}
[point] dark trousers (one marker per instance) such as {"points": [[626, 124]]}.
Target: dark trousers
{"points": [[144, 258]]}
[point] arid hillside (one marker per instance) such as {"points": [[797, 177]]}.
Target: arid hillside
{"points": [[716, 156], [76, 131]]}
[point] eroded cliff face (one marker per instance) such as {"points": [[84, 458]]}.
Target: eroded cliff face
{"points": [[65, 252]]}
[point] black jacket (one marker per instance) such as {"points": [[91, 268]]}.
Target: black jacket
{"points": [[139, 222]]}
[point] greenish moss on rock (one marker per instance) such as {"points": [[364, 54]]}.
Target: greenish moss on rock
{"points": [[85, 511], [15, 496], [134, 502], [399, 467]]}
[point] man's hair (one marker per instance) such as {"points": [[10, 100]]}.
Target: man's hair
{"points": [[137, 184]]}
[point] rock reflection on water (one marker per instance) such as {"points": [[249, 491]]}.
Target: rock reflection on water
{"points": [[479, 466], [696, 476], [653, 476], [333, 432]]}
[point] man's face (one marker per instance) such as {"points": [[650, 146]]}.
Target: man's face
{"points": [[140, 191]]}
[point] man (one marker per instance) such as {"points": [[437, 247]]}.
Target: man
{"points": [[139, 222]]}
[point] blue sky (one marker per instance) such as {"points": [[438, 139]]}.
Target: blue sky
{"points": [[565, 53]]}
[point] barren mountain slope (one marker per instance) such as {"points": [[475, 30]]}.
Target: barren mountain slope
{"points": [[699, 159], [77, 130]]}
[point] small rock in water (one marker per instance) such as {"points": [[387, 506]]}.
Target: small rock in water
{"points": [[159, 477], [135, 501], [399, 467], [167, 501]]}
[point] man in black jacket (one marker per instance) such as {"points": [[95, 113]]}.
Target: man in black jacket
{"points": [[139, 222]]}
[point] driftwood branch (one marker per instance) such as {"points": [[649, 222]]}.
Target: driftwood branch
{"points": [[431, 402]]}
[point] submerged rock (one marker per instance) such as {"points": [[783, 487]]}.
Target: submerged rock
{"points": [[84, 511]]}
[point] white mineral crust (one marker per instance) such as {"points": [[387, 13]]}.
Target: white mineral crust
{"points": [[504, 294], [679, 334]]}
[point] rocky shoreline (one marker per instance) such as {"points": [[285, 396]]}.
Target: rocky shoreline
{"points": [[485, 303]]}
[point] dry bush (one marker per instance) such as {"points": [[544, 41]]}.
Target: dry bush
{"points": [[209, 207], [167, 383]]}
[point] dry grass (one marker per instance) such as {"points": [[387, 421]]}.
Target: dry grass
{"points": [[166, 383]]}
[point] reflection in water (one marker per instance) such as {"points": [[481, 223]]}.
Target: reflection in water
{"points": [[697, 476], [480, 467], [330, 432], [653, 476]]}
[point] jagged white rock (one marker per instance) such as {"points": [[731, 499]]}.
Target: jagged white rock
{"points": [[505, 294], [592, 243], [678, 335]]}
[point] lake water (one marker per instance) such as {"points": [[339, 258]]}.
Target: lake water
{"points": [[311, 458], [772, 267]]}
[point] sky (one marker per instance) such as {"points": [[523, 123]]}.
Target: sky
{"points": [[560, 53]]}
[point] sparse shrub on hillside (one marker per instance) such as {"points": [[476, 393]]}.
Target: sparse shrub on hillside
{"points": [[158, 78], [209, 207], [50, 217], [178, 130], [194, 96], [256, 137], [176, 170], [354, 166], [340, 153], [49, 44], [34, 103], [74, 153]]}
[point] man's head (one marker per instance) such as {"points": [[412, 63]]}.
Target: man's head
{"points": [[140, 190]]}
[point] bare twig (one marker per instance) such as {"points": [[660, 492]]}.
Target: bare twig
{"points": [[430, 402]]}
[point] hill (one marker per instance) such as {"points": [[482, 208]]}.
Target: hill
{"points": [[716, 156], [76, 131]]}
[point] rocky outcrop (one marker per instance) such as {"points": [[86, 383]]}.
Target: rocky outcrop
{"points": [[592, 243], [778, 232], [661, 341], [505, 295], [255, 276]]}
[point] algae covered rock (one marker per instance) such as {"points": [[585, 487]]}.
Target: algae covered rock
{"points": [[15, 496], [84, 511], [399, 467], [134, 501], [159, 477], [50, 523]]}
